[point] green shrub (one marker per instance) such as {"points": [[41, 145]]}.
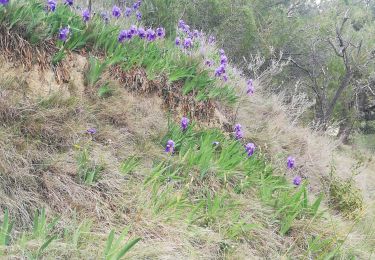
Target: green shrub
{"points": [[345, 197]]}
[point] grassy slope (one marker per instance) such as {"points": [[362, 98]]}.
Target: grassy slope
{"points": [[189, 206]]}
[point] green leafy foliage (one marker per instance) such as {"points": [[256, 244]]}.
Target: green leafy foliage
{"points": [[105, 91], [196, 152], [129, 165], [88, 172], [345, 197], [6, 229], [115, 249]]}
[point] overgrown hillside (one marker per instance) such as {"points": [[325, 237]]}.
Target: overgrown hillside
{"points": [[116, 143]]}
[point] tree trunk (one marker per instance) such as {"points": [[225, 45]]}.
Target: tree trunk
{"points": [[344, 83], [90, 6]]}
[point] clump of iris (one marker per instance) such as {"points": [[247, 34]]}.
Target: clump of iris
{"points": [[220, 72], [184, 123], [124, 35], [185, 37], [169, 148]]}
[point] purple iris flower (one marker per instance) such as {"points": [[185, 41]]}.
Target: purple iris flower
{"points": [[133, 30], [169, 148], [237, 127], [4, 2], [238, 135], [128, 11], [291, 162], [181, 24], [69, 2], [150, 35], [91, 131], [139, 15], [184, 123], [250, 87], [52, 5], [211, 39], [220, 71], [187, 29], [196, 33], [64, 34], [129, 34], [160, 32], [250, 149], [209, 63], [297, 180], [105, 17], [178, 41], [122, 36], [225, 78], [116, 11], [86, 15], [223, 59], [137, 4], [188, 43], [141, 33], [222, 52]]}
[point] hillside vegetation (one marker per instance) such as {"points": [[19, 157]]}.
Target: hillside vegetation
{"points": [[117, 142]]}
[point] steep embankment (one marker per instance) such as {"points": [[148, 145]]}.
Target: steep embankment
{"points": [[83, 131]]}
